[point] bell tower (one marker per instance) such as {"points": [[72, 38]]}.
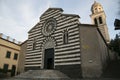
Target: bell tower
{"points": [[98, 17]]}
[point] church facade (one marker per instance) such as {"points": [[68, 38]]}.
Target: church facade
{"points": [[59, 41]]}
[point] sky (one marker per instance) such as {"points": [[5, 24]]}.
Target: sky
{"points": [[17, 17]]}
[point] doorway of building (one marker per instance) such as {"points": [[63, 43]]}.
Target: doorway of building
{"points": [[49, 58], [13, 70]]}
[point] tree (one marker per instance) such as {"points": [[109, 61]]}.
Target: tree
{"points": [[115, 44]]}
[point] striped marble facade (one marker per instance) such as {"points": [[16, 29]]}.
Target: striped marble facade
{"points": [[64, 54]]}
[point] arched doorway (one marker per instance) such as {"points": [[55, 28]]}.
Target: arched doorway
{"points": [[48, 54], [13, 70], [49, 58]]}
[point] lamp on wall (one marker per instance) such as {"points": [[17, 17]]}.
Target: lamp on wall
{"points": [[117, 24]]}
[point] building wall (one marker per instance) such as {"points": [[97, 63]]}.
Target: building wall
{"points": [[103, 48], [93, 51], [5, 46], [21, 62]]}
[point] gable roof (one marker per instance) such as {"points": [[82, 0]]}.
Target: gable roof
{"points": [[73, 15], [52, 9]]}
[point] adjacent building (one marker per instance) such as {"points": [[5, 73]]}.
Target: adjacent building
{"points": [[9, 55], [60, 41]]}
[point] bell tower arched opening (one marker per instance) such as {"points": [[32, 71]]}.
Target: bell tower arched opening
{"points": [[95, 21]]}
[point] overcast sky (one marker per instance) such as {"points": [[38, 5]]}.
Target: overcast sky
{"points": [[17, 17]]}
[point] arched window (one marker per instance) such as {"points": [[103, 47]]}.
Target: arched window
{"points": [[65, 36], [95, 21], [100, 20]]}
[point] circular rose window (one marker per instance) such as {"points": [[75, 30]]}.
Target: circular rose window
{"points": [[49, 27]]}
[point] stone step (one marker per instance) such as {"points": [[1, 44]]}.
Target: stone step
{"points": [[42, 75]]}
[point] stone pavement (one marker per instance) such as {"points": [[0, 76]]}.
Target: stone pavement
{"points": [[111, 73]]}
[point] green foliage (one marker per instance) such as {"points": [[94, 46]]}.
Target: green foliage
{"points": [[115, 44]]}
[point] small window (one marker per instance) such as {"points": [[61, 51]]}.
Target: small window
{"points": [[95, 21], [65, 36], [100, 20], [34, 44], [8, 54], [5, 67], [15, 56]]}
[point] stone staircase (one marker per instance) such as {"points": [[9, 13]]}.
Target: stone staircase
{"points": [[111, 73], [41, 75]]}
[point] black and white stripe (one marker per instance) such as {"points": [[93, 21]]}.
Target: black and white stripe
{"points": [[65, 54]]}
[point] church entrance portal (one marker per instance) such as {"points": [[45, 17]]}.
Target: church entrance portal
{"points": [[49, 58]]}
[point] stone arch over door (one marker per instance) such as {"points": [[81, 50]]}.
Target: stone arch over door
{"points": [[48, 53]]}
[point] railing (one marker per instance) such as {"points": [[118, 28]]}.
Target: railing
{"points": [[9, 38]]}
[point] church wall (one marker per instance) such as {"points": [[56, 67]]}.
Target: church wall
{"points": [[72, 71], [34, 57], [90, 51], [68, 52], [21, 60], [66, 56], [104, 49]]}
